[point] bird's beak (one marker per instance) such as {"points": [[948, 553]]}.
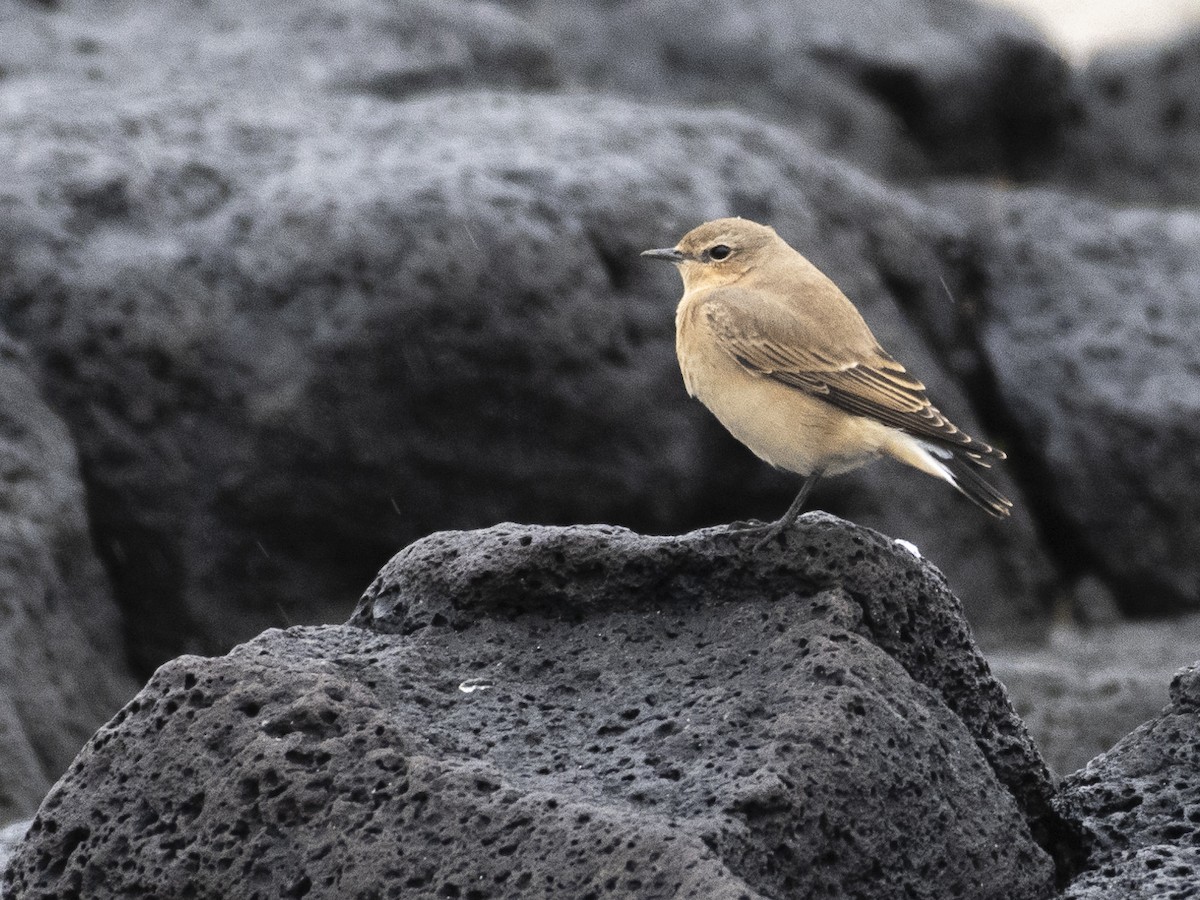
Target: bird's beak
{"points": [[670, 254]]}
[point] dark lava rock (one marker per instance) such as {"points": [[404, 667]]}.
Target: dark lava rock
{"points": [[1139, 804], [582, 712], [901, 88], [378, 48], [1091, 317], [10, 836], [1135, 132], [291, 333], [1089, 687], [61, 652]]}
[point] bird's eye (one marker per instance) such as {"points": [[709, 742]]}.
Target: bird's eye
{"points": [[719, 252]]}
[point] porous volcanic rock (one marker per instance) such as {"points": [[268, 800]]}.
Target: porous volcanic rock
{"points": [[1138, 803], [546, 712], [1091, 318], [1134, 132], [1087, 688], [10, 836], [230, 48], [62, 661], [291, 333], [901, 88]]}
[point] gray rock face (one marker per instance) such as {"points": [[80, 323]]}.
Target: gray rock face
{"points": [[1135, 132], [583, 712], [1138, 803], [1092, 318], [291, 335], [900, 88], [10, 836], [1088, 688], [225, 48], [61, 650]]}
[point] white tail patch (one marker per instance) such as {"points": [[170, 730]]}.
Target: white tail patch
{"points": [[929, 458], [935, 456], [959, 469]]}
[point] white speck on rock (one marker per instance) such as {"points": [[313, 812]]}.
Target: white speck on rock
{"points": [[471, 685]]}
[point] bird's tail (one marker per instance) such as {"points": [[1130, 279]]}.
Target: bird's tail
{"points": [[962, 470], [957, 465]]}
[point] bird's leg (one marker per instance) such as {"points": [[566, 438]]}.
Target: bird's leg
{"points": [[788, 518]]}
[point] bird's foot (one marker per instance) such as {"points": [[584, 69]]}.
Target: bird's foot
{"points": [[769, 531], [747, 525], [773, 531]]}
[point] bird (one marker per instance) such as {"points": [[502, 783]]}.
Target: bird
{"points": [[785, 361]]}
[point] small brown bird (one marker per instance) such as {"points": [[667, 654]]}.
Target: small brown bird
{"points": [[784, 360]]}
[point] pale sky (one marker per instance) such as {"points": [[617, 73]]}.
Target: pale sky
{"points": [[1080, 27]]}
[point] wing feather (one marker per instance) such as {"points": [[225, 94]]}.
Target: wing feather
{"points": [[768, 339]]}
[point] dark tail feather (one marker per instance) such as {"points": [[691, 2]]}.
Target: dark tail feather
{"points": [[964, 474]]}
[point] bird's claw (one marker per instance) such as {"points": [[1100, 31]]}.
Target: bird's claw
{"points": [[746, 525], [773, 532]]}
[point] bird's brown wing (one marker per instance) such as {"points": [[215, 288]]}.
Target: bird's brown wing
{"points": [[769, 339]]}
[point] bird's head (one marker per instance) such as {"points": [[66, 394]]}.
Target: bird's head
{"points": [[719, 252]]}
